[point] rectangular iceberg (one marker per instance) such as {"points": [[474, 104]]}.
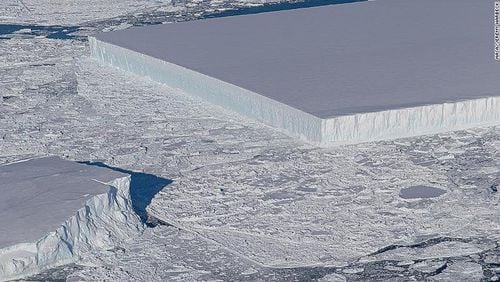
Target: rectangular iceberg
{"points": [[333, 74]]}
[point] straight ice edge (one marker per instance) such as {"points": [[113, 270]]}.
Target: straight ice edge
{"points": [[409, 122], [250, 104], [324, 132]]}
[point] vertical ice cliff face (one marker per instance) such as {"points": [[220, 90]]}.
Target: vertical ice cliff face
{"points": [[245, 102], [103, 222], [414, 121], [325, 132]]}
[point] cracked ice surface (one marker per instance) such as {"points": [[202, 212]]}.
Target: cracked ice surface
{"points": [[121, 13], [288, 207], [254, 194], [64, 12], [346, 199]]}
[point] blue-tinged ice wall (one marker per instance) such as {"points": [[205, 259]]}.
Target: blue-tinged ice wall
{"points": [[229, 96], [414, 121], [355, 128]]}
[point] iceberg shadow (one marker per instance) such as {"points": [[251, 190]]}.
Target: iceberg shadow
{"points": [[143, 187]]}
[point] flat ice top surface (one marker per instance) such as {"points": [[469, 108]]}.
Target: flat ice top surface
{"points": [[38, 195], [340, 59]]}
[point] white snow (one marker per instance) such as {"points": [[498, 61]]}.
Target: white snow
{"points": [[235, 176], [331, 75], [69, 12], [345, 199], [52, 210]]}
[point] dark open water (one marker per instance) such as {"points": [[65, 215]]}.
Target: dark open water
{"points": [[7, 31]]}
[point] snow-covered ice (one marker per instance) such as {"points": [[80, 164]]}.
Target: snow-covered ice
{"points": [[333, 74], [224, 166], [63, 12], [52, 210]]}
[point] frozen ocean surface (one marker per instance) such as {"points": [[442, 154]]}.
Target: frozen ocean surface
{"points": [[38, 195], [335, 203], [342, 59]]}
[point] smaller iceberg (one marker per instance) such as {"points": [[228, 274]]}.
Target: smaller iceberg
{"points": [[52, 211]]}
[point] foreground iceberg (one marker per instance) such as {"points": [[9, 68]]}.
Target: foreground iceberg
{"points": [[52, 211], [333, 74]]}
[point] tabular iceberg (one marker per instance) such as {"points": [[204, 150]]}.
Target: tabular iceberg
{"points": [[37, 193], [333, 74]]}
